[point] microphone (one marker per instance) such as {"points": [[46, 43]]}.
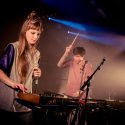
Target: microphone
{"points": [[36, 78], [103, 60], [84, 65], [36, 81]]}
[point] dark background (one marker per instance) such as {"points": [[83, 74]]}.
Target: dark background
{"points": [[110, 15]]}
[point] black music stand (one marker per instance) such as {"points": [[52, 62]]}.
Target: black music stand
{"points": [[83, 117]]}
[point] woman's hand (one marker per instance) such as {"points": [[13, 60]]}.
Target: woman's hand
{"points": [[5, 79], [37, 72], [19, 87]]}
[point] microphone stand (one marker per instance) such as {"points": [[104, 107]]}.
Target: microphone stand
{"points": [[87, 83]]}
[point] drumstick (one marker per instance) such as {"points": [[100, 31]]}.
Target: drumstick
{"points": [[74, 39]]}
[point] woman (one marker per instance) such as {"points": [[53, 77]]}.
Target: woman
{"points": [[19, 68]]}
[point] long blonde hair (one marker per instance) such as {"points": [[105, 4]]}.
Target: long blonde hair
{"points": [[32, 21]]}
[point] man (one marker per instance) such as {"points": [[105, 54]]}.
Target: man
{"points": [[79, 70]]}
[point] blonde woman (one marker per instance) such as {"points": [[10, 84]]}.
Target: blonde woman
{"points": [[18, 69]]}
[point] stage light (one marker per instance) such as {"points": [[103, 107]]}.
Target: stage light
{"points": [[92, 33], [72, 33], [102, 38], [70, 24], [49, 18]]}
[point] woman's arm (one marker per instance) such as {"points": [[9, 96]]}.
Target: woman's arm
{"points": [[6, 61], [6, 80]]}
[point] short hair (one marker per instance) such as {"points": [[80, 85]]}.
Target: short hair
{"points": [[79, 51]]}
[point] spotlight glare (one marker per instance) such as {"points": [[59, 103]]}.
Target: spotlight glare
{"points": [[49, 18]]}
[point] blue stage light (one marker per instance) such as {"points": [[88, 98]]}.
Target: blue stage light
{"points": [[49, 18], [92, 33]]}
